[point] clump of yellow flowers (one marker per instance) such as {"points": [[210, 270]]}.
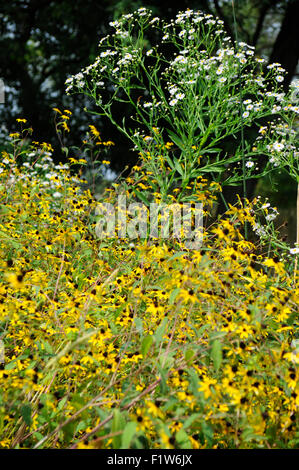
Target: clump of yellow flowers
{"points": [[105, 339]]}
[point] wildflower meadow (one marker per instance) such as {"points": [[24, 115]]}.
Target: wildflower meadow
{"points": [[126, 321]]}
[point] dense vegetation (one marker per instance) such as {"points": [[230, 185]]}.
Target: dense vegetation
{"points": [[121, 342]]}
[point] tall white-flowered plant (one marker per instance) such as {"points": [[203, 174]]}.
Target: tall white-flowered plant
{"points": [[195, 89]]}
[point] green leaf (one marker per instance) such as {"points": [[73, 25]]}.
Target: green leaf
{"points": [[207, 431], [176, 139], [213, 150], [189, 354], [182, 439], [163, 382], [47, 347], [178, 166], [80, 426], [166, 361], [26, 414], [118, 424], [65, 150], [160, 331], [216, 354], [10, 365], [127, 435], [141, 197], [146, 344], [208, 168], [217, 335], [62, 403], [173, 295], [169, 161], [190, 420], [139, 325]]}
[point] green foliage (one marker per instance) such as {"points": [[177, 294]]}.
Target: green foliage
{"points": [[194, 104]]}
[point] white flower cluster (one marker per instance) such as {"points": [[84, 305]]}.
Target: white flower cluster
{"points": [[40, 168], [271, 212], [259, 230], [205, 68], [76, 80]]}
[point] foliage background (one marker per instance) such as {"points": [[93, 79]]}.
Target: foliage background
{"points": [[43, 42]]}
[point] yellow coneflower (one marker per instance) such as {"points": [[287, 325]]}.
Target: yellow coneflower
{"points": [[16, 280]]}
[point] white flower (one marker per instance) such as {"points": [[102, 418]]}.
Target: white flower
{"points": [[249, 164], [221, 79], [180, 96], [266, 205], [294, 251], [122, 34], [181, 59], [128, 56], [148, 104], [259, 229], [173, 102], [270, 217], [173, 90], [154, 20], [245, 114], [263, 130], [105, 53], [114, 24], [279, 78], [189, 13], [274, 161], [149, 52], [142, 11], [57, 194], [278, 146]]}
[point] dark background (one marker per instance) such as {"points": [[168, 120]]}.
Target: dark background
{"points": [[42, 42]]}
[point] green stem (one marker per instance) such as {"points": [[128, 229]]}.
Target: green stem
{"points": [[242, 124]]}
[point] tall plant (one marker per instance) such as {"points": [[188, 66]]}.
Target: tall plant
{"points": [[185, 83]]}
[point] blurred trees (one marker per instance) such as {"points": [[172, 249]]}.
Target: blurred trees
{"points": [[43, 42]]}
